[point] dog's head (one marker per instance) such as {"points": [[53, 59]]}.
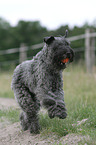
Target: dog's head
{"points": [[61, 51]]}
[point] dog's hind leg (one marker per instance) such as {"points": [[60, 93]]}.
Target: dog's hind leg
{"points": [[30, 106]]}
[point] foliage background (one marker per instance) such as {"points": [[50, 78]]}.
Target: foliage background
{"points": [[32, 32]]}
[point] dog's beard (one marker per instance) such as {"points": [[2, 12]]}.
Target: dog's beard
{"points": [[59, 63], [62, 59]]}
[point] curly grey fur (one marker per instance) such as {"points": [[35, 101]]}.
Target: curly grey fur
{"points": [[39, 82]]}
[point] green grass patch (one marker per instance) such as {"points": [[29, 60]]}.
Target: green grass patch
{"points": [[11, 115], [57, 126], [5, 85]]}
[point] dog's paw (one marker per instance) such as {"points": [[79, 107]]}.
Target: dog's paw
{"points": [[34, 128], [58, 110]]}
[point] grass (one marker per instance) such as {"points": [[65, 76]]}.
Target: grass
{"points": [[11, 115], [80, 99], [5, 85]]}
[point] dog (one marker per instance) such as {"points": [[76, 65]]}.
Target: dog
{"points": [[38, 82]]}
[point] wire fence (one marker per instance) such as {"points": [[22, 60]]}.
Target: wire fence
{"points": [[89, 49], [15, 50]]}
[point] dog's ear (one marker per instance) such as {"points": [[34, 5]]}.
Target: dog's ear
{"points": [[49, 40], [66, 33]]}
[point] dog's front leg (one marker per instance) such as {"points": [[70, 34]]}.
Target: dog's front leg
{"points": [[55, 105]]}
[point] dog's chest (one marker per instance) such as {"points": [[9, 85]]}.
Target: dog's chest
{"points": [[55, 82]]}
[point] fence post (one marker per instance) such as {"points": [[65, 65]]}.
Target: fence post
{"points": [[22, 53], [92, 53], [89, 51]]}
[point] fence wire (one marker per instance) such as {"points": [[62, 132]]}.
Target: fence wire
{"points": [[38, 46]]}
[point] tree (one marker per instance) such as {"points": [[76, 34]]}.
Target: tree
{"points": [[30, 32]]}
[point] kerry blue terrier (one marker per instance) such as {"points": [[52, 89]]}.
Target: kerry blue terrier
{"points": [[39, 82]]}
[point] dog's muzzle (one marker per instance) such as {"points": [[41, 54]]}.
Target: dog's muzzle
{"points": [[62, 58]]}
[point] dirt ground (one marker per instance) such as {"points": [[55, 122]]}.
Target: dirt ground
{"points": [[11, 134]]}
